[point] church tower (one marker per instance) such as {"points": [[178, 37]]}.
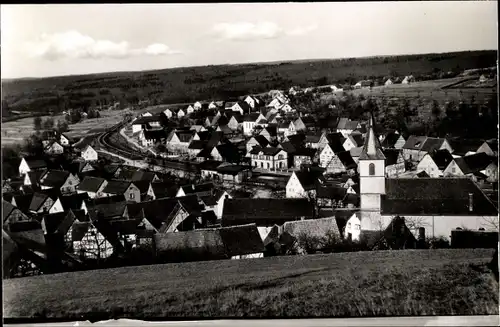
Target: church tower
{"points": [[371, 176]]}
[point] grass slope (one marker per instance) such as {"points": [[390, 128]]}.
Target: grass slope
{"points": [[412, 282]]}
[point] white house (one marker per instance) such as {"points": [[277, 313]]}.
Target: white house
{"points": [[28, 165], [435, 162], [388, 82], [89, 154], [64, 140], [268, 158], [54, 148], [303, 184], [169, 113]]}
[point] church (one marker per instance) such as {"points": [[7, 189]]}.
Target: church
{"points": [[439, 205]]}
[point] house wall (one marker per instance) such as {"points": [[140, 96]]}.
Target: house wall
{"points": [[55, 148], [486, 149], [348, 144], [399, 143], [93, 245], [15, 216], [179, 217], [133, 193], [453, 170], [294, 189], [492, 172], [45, 207], [299, 160], [70, 185], [23, 167], [90, 154], [264, 231], [63, 141], [136, 128], [429, 166], [353, 227], [395, 170], [56, 207]]}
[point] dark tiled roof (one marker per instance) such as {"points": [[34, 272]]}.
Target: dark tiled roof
{"points": [[390, 140], [435, 196], [251, 117], [107, 211], [90, 184], [35, 176], [145, 119], [309, 179], [197, 188], [269, 151], [261, 140], [141, 175], [305, 152], [391, 156], [142, 185], [34, 163], [209, 165], [288, 147], [442, 158], [336, 141], [157, 134], [116, 187], [23, 201], [432, 143], [415, 142], [331, 192], [265, 212], [241, 240], [37, 200], [184, 137], [232, 169], [474, 163], [312, 138], [7, 208], [229, 152], [197, 144], [79, 230], [54, 178], [57, 222], [346, 159], [105, 200], [357, 139], [73, 201]]}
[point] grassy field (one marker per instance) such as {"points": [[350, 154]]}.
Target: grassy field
{"points": [[16, 131], [385, 283]]}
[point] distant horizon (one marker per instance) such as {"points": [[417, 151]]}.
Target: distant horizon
{"points": [[240, 63]]}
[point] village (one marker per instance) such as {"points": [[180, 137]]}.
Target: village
{"points": [[268, 181]]}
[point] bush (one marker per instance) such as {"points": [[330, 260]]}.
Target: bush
{"points": [[440, 242]]}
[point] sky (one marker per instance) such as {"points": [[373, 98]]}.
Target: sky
{"points": [[54, 40]]}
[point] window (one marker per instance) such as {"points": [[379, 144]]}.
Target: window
{"points": [[132, 195], [453, 169], [280, 157], [70, 182], [371, 169]]}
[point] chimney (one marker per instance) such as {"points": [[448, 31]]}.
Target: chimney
{"points": [[471, 202]]}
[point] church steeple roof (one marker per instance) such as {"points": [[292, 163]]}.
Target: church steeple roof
{"points": [[371, 149]]}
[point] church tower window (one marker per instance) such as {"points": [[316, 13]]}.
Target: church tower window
{"points": [[371, 169]]}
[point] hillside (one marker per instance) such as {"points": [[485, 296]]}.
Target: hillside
{"points": [[189, 84], [383, 283]]}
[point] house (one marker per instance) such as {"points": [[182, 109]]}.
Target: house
{"points": [[159, 190], [88, 242], [89, 154], [242, 107], [336, 88], [168, 112], [235, 242], [392, 140], [192, 189], [215, 201], [54, 148], [435, 162], [394, 162], [235, 122], [416, 147], [74, 201], [408, 79], [388, 82], [340, 162], [249, 122], [178, 141], [45, 203], [490, 147], [265, 213], [314, 228], [22, 202], [31, 164], [436, 204], [80, 167], [189, 110], [258, 140], [312, 141], [197, 128], [353, 140], [234, 173], [93, 186], [303, 156], [363, 84], [346, 126], [473, 164], [270, 132], [32, 178], [12, 214], [125, 188], [303, 184], [64, 140], [151, 137], [330, 196], [144, 175], [252, 101], [268, 158], [60, 180], [146, 122], [327, 152], [276, 103]]}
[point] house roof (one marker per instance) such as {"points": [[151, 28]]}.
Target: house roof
{"points": [[196, 244], [307, 152], [7, 208], [35, 163], [210, 165], [336, 141], [415, 142], [197, 188], [312, 227], [184, 137], [232, 169], [269, 151], [309, 179], [164, 189], [241, 240], [265, 212], [441, 158], [23, 201], [37, 201], [432, 143], [229, 152], [142, 185], [312, 138], [54, 178], [461, 147], [197, 144], [474, 163], [261, 140], [116, 187], [155, 134], [145, 120], [143, 175], [346, 123], [331, 192], [357, 139], [90, 184], [252, 117], [346, 159], [58, 222], [73, 201], [79, 230], [288, 147], [390, 139], [435, 196], [107, 211], [391, 156]]}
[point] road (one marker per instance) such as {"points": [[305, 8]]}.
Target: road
{"points": [[382, 321]]}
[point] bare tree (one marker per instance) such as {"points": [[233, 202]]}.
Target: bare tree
{"points": [[491, 222]]}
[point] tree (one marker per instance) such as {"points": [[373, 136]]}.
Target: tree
{"points": [[48, 124], [435, 110], [37, 123], [62, 126], [33, 145]]}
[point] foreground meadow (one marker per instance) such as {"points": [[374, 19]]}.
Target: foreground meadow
{"points": [[384, 283]]}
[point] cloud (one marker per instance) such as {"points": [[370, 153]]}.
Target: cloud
{"points": [[72, 44], [299, 31], [244, 31]]}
